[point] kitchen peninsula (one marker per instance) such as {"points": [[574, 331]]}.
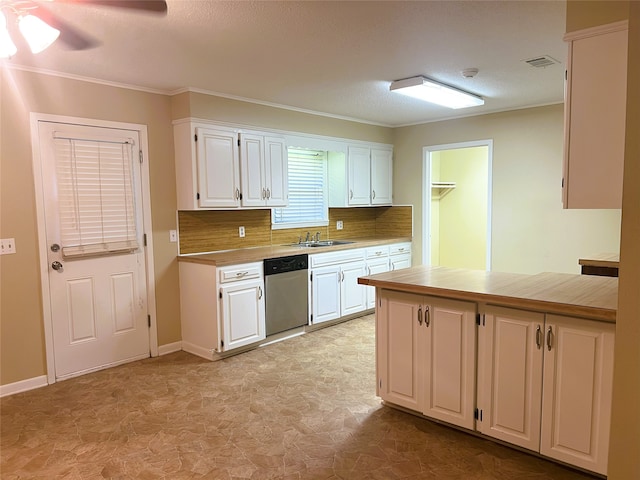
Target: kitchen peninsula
{"points": [[524, 359]]}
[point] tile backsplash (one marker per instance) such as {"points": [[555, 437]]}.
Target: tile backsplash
{"points": [[214, 230]]}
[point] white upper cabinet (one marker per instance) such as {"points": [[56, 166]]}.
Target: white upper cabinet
{"points": [[220, 167], [363, 178], [359, 178], [595, 110], [381, 176], [263, 169]]}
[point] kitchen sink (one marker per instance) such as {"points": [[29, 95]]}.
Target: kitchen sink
{"points": [[321, 243]]}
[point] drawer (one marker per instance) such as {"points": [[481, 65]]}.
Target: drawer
{"points": [[377, 252], [236, 273], [400, 248], [334, 258]]}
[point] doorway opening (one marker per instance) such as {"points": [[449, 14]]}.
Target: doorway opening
{"points": [[457, 205]]}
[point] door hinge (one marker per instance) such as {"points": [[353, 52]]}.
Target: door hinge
{"points": [[311, 277], [140, 154], [144, 239], [195, 137], [197, 196], [380, 383], [238, 142], [222, 343], [380, 302], [311, 317], [477, 414], [220, 294], [149, 320], [478, 319]]}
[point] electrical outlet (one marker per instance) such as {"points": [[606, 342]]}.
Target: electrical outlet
{"points": [[173, 236], [339, 225], [241, 232], [7, 245]]}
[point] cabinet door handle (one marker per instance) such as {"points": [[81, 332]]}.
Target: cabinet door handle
{"points": [[549, 338], [259, 293], [350, 193], [264, 194], [539, 337], [419, 315], [268, 193], [342, 276], [237, 193], [374, 194], [427, 316]]}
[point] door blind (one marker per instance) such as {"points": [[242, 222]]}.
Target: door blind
{"points": [[96, 200], [307, 171]]}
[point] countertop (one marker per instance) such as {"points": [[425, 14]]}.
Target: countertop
{"points": [[257, 254], [560, 293], [601, 260]]}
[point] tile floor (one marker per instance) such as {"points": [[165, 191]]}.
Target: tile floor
{"points": [[304, 408]]}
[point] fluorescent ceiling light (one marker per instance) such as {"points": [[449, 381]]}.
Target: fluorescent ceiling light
{"points": [[7, 47], [38, 34], [434, 92]]}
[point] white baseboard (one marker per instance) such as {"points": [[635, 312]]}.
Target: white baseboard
{"points": [[197, 350], [169, 348], [23, 386]]}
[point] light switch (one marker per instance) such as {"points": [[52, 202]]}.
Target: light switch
{"points": [[173, 236], [7, 245], [241, 232]]}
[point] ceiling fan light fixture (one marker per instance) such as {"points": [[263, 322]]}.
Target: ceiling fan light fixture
{"points": [[7, 47], [38, 34], [435, 92]]}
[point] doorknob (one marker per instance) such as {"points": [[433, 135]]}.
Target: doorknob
{"points": [[56, 265]]}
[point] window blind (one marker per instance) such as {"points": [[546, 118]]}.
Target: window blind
{"points": [[307, 189], [96, 203]]}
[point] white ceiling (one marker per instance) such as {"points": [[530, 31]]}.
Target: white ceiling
{"points": [[335, 58]]}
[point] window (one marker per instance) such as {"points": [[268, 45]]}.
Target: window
{"points": [[95, 196], [307, 191]]}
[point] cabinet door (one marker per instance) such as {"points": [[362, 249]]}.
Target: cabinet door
{"points": [[252, 170], [398, 262], [275, 163], [218, 168], [379, 265], [577, 385], [594, 120], [359, 175], [398, 327], [450, 361], [353, 296], [325, 294], [381, 177], [242, 314], [510, 375]]}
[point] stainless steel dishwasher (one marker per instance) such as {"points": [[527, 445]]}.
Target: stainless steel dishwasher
{"points": [[286, 285]]}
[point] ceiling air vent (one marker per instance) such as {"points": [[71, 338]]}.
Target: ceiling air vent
{"points": [[542, 61]]}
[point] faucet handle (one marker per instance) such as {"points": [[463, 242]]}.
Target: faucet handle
{"points": [[317, 236]]}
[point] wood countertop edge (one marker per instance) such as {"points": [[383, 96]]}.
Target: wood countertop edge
{"points": [[258, 254], [523, 303]]}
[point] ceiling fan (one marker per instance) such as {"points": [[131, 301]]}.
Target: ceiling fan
{"points": [[40, 27]]}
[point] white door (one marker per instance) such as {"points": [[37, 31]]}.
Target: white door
{"points": [[92, 196], [218, 168], [353, 295]]}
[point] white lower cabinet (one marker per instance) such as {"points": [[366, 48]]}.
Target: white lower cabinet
{"points": [[242, 308], [399, 256], [426, 355], [377, 259], [335, 291], [221, 308], [544, 383]]}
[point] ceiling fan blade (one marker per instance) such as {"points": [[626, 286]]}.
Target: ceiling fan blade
{"points": [[72, 37], [151, 6]]}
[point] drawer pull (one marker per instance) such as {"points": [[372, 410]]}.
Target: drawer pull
{"points": [[242, 274]]}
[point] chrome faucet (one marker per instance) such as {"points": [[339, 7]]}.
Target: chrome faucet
{"points": [[317, 237], [308, 237]]}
